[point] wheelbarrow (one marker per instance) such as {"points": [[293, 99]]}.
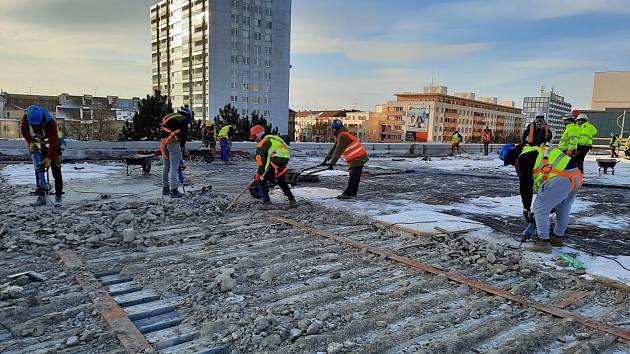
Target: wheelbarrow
{"points": [[198, 155], [139, 160], [605, 164], [293, 177]]}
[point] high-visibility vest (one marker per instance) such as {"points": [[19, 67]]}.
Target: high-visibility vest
{"points": [[550, 163], [171, 133], [568, 140], [456, 138], [586, 134], [279, 149], [615, 141], [223, 133], [532, 129], [42, 138], [354, 149]]}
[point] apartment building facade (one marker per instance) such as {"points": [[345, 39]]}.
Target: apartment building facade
{"points": [[210, 53], [433, 115], [554, 107], [611, 89]]}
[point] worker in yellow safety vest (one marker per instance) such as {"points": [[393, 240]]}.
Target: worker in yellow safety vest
{"points": [[568, 140], [584, 140], [225, 141], [615, 142], [556, 179], [272, 158]]}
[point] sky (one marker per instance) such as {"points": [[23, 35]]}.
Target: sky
{"points": [[344, 53]]}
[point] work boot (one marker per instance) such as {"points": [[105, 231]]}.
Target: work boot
{"points": [[166, 191], [41, 200], [265, 206], [540, 245], [556, 241], [293, 204], [345, 196], [174, 193]]}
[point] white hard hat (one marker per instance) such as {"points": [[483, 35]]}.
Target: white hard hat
{"points": [[540, 114], [582, 116]]}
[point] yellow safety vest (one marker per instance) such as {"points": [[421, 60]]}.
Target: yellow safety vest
{"points": [[568, 141], [551, 163], [587, 132], [223, 133], [455, 138]]}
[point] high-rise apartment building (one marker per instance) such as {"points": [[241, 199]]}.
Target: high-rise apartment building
{"points": [[210, 53], [552, 104]]}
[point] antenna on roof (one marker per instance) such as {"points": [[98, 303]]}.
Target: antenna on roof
{"points": [[542, 89], [431, 78]]}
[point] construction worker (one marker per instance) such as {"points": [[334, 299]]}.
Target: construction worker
{"points": [[585, 136], [486, 138], [556, 179], [350, 147], [173, 140], [39, 129], [568, 140], [225, 141], [272, 158], [614, 144], [537, 132], [627, 149], [210, 135], [455, 140]]}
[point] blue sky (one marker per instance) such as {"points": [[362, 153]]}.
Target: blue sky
{"points": [[345, 53]]}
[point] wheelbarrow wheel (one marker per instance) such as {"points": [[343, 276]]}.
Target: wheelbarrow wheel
{"points": [[146, 168], [208, 158]]}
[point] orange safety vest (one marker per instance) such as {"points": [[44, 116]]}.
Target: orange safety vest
{"points": [[532, 128], [171, 135], [354, 149]]}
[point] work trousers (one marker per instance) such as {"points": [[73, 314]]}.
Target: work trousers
{"points": [[555, 193], [580, 154], [280, 181], [485, 147], [170, 174], [55, 169], [613, 151], [225, 149], [454, 147], [353, 181]]}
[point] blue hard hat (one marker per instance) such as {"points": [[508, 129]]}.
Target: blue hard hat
{"points": [[336, 124], [34, 115], [505, 150], [186, 112]]}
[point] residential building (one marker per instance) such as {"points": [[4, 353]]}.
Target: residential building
{"points": [[433, 115], [355, 122], [552, 104], [98, 118], [611, 89], [210, 53], [291, 127], [12, 107], [315, 125]]}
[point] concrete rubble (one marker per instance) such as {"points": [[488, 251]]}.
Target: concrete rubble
{"points": [[256, 285]]}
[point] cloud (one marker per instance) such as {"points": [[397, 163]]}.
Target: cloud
{"points": [[551, 64]]}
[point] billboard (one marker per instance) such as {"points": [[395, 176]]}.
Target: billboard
{"points": [[417, 117]]}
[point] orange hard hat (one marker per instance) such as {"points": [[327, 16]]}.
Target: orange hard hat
{"points": [[575, 113], [255, 130]]}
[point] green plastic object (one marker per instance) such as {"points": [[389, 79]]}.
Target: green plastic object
{"points": [[573, 262]]}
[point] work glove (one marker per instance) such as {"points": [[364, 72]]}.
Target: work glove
{"points": [[258, 177], [529, 216], [46, 163], [32, 147], [569, 152]]}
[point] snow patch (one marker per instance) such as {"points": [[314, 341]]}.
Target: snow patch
{"points": [[23, 173]]}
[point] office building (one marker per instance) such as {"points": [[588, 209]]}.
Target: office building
{"points": [[611, 89], [554, 107], [210, 53]]}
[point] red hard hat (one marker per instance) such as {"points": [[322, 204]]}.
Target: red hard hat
{"points": [[255, 130], [575, 113]]}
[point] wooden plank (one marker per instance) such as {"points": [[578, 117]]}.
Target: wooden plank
{"points": [[129, 336], [490, 289], [572, 299]]}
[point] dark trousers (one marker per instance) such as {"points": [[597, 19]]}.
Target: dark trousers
{"points": [[280, 181], [579, 156], [225, 149], [485, 147], [613, 151], [353, 181], [56, 172]]}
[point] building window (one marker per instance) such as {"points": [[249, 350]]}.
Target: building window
{"points": [[245, 112], [234, 31], [235, 4], [246, 20], [256, 99], [266, 113], [269, 25], [234, 59], [246, 47], [268, 76], [234, 18], [255, 87], [256, 62], [256, 48], [234, 71], [267, 63], [257, 36], [234, 45], [258, 22], [246, 60], [245, 34], [246, 6], [268, 50], [233, 98], [268, 11], [245, 86], [267, 88], [267, 100], [245, 99], [233, 85]]}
